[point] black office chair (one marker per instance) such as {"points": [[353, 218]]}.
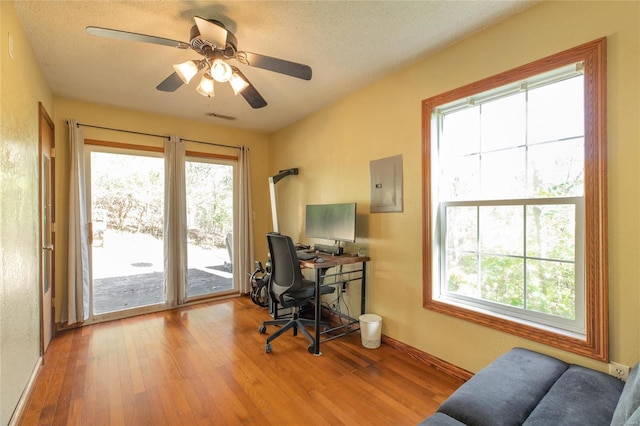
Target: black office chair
{"points": [[289, 289]]}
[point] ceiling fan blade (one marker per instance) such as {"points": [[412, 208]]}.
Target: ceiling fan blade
{"points": [[250, 94], [211, 32], [170, 84], [125, 35], [281, 66]]}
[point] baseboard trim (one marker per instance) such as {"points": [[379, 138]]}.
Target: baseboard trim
{"points": [[437, 363], [26, 393]]}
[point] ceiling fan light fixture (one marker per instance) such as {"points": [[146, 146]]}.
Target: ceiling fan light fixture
{"points": [[214, 43], [186, 70], [237, 83], [205, 88], [220, 71]]}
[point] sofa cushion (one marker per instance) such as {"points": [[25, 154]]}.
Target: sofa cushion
{"points": [[439, 419], [580, 397], [506, 391], [629, 399]]}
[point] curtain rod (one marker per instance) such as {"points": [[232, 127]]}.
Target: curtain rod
{"points": [[157, 136]]}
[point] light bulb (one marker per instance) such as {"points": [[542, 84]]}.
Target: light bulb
{"points": [[220, 71], [186, 70], [205, 88], [238, 83]]}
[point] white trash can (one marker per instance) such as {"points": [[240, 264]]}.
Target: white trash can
{"points": [[370, 330]]}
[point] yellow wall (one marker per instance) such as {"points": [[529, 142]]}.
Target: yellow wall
{"points": [[22, 86], [118, 118], [333, 149]]}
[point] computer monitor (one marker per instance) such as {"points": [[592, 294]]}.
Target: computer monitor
{"points": [[335, 222]]}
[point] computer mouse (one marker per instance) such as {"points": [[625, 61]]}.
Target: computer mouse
{"points": [[319, 260]]}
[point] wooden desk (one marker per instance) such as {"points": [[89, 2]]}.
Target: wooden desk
{"points": [[321, 269]]}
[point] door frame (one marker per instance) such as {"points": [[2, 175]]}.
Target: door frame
{"points": [[193, 156], [95, 146], [46, 141]]}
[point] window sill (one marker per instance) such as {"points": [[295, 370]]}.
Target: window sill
{"points": [[560, 339]]}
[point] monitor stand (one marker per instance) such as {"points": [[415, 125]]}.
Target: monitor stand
{"points": [[329, 249]]}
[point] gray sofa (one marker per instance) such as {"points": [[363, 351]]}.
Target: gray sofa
{"points": [[523, 387]]}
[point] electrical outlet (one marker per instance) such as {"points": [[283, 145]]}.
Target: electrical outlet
{"points": [[619, 371]]}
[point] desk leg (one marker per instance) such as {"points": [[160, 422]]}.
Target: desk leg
{"points": [[364, 286], [317, 301]]}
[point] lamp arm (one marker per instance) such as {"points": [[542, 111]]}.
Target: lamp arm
{"points": [[281, 174]]}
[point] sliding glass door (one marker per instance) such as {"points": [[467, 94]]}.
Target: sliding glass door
{"points": [[210, 223], [126, 192], [126, 216]]}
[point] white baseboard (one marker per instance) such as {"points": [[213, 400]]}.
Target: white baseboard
{"points": [[17, 413]]}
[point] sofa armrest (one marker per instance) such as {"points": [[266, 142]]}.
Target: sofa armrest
{"points": [[628, 408]]}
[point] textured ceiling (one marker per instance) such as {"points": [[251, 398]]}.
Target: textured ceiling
{"points": [[348, 44]]}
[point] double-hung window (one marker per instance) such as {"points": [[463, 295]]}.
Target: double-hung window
{"points": [[515, 202]]}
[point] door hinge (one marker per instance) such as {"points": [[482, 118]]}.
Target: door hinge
{"points": [[52, 153]]}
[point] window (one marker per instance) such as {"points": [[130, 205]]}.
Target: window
{"points": [[515, 201]]}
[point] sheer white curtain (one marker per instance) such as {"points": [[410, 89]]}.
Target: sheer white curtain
{"points": [[175, 222], [78, 283], [245, 231]]}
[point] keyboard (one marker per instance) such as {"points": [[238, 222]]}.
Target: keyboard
{"points": [[305, 255]]}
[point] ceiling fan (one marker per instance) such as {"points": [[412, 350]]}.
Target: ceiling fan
{"points": [[217, 45]]}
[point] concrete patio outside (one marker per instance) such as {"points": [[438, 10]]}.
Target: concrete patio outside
{"points": [[128, 271]]}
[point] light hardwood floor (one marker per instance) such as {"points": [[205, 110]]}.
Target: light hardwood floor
{"points": [[205, 365]]}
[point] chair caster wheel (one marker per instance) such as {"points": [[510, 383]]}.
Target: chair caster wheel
{"points": [[262, 329], [310, 349], [267, 348]]}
